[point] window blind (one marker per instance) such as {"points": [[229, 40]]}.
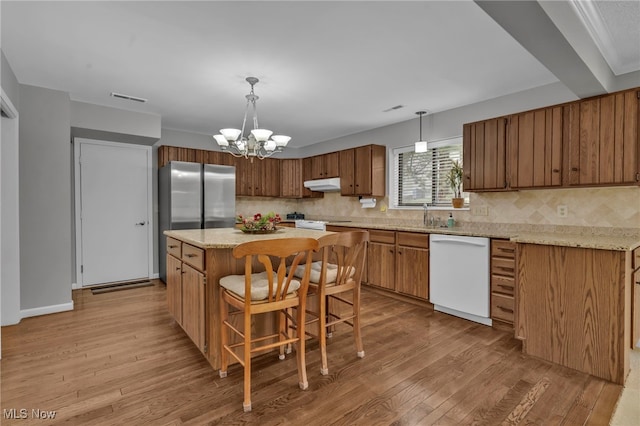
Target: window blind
{"points": [[421, 178]]}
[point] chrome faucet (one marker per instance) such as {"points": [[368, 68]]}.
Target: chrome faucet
{"points": [[425, 216]]}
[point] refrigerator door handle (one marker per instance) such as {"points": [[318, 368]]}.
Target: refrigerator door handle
{"points": [[141, 223]]}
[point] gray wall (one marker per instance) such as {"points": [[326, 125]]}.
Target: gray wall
{"points": [[45, 197], [9, 81], [9, 202], [112, 124]]}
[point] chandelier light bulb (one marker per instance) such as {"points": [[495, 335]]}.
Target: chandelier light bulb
{"points": [[261, 135], [270, 145], [281, 140], [222, 141], [231, 134]]}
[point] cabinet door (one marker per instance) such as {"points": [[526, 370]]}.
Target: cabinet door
{"points": [[381, 265], [484, 155], [603, 140], [332, 164], [347, 172], [266, 177], [317, 167], [362, 167], [291, 178], [535, 146], [193, 305], [413, 271], [244, 177], [174, 287], [307, 174]]}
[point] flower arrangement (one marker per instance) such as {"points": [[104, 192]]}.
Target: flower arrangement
{"points": [[259, 222]]}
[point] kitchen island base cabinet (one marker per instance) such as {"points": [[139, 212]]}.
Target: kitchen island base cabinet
{"points": [[573, 307]]}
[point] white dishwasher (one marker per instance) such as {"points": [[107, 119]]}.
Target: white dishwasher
{"points": [[459, 276]]}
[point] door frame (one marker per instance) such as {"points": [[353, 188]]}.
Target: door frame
{"points": [[77, 142]]}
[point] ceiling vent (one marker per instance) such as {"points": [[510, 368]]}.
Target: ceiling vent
{"points": [[128, 97], [393, 108]]}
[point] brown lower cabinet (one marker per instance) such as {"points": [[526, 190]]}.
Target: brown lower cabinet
{"points": [[503, 283], [399, 261], [574, 307], [186, 290], [635, 299]]}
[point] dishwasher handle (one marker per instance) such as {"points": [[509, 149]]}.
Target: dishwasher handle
{"points": [[454, 240]]}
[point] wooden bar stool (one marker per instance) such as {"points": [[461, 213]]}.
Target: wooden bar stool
{"points": [[270, 291], [333, 279]]}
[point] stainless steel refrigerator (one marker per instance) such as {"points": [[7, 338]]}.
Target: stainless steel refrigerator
{"points": [[194, 196]]}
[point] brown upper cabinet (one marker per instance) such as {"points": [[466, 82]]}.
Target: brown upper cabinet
{"points": [[603, 140], [484, 147], [591, 142], [535, 148], [258, 178], [291, 177], [325, 166], [362, 171]]}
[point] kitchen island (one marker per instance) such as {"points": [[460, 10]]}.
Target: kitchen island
{"points": [[196, 260]]}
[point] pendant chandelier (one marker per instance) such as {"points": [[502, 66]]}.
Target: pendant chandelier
{"points": [[421, 146], [259, 142]]}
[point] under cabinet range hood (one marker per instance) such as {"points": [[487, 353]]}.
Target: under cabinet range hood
{"points": [[323, 185]]}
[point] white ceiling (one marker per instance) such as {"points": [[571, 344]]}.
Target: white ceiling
{"points": [[326, 69]]}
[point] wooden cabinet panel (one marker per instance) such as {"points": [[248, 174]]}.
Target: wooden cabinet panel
{"points": [[291, 178], [381, 265], [193, 305], [571, 308], [535, 145], [174, 247], [325, 166], [379, 236], [603, 146], [194, 256], [347, 172], [484, 155], [174, 287], [635, 310], [413, 239], [266, 177], [502, 307], [413, 271], [503, 281], [174, 153], [307, 175]]}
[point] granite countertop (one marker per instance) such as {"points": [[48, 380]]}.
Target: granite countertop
{"points": [[231, 237], [623, 239]]}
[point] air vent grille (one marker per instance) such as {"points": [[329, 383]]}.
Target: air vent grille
{"points": [[128, 97], [393, 108]]}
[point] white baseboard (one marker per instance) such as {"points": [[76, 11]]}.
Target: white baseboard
{"points": [[74, 286], [45, 310], [154, 276]]}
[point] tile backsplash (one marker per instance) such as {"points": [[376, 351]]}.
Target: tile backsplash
{"points": [[617, 207]]}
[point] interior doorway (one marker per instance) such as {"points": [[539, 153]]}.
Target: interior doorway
{"points": [[114, 237]]}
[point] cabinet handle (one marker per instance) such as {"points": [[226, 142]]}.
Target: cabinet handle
{"points": [[390, 251], [505, 309], [190, 255], [399, 252], [556, 170], [173, 246], [574, 169], [505, 286], [178, 268]]}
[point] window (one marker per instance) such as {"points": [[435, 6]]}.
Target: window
{"points": [[420, 178]]}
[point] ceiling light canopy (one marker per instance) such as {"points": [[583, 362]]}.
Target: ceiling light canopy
{"points": [[421, 146], [259, 142]]}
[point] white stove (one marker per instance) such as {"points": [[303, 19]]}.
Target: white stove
{"points": [[318, 225]]}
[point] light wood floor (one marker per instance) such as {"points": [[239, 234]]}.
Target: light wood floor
{"points": [[119, 358]]}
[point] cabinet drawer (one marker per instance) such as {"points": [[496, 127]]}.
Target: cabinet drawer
{"points": [[505, 267], [501, 248], [412, 239], [377, 236], [502, 307], [194, 256], [505, 285], [174, 247], [636, 258]]}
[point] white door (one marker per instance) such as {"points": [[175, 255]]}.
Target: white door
{"points": [[114, 222]]}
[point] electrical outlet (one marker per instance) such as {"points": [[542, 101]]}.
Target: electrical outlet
{"points": [[480, 211], [562, 211]]}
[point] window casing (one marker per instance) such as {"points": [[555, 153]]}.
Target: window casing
{"points": [[420, 178]]}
